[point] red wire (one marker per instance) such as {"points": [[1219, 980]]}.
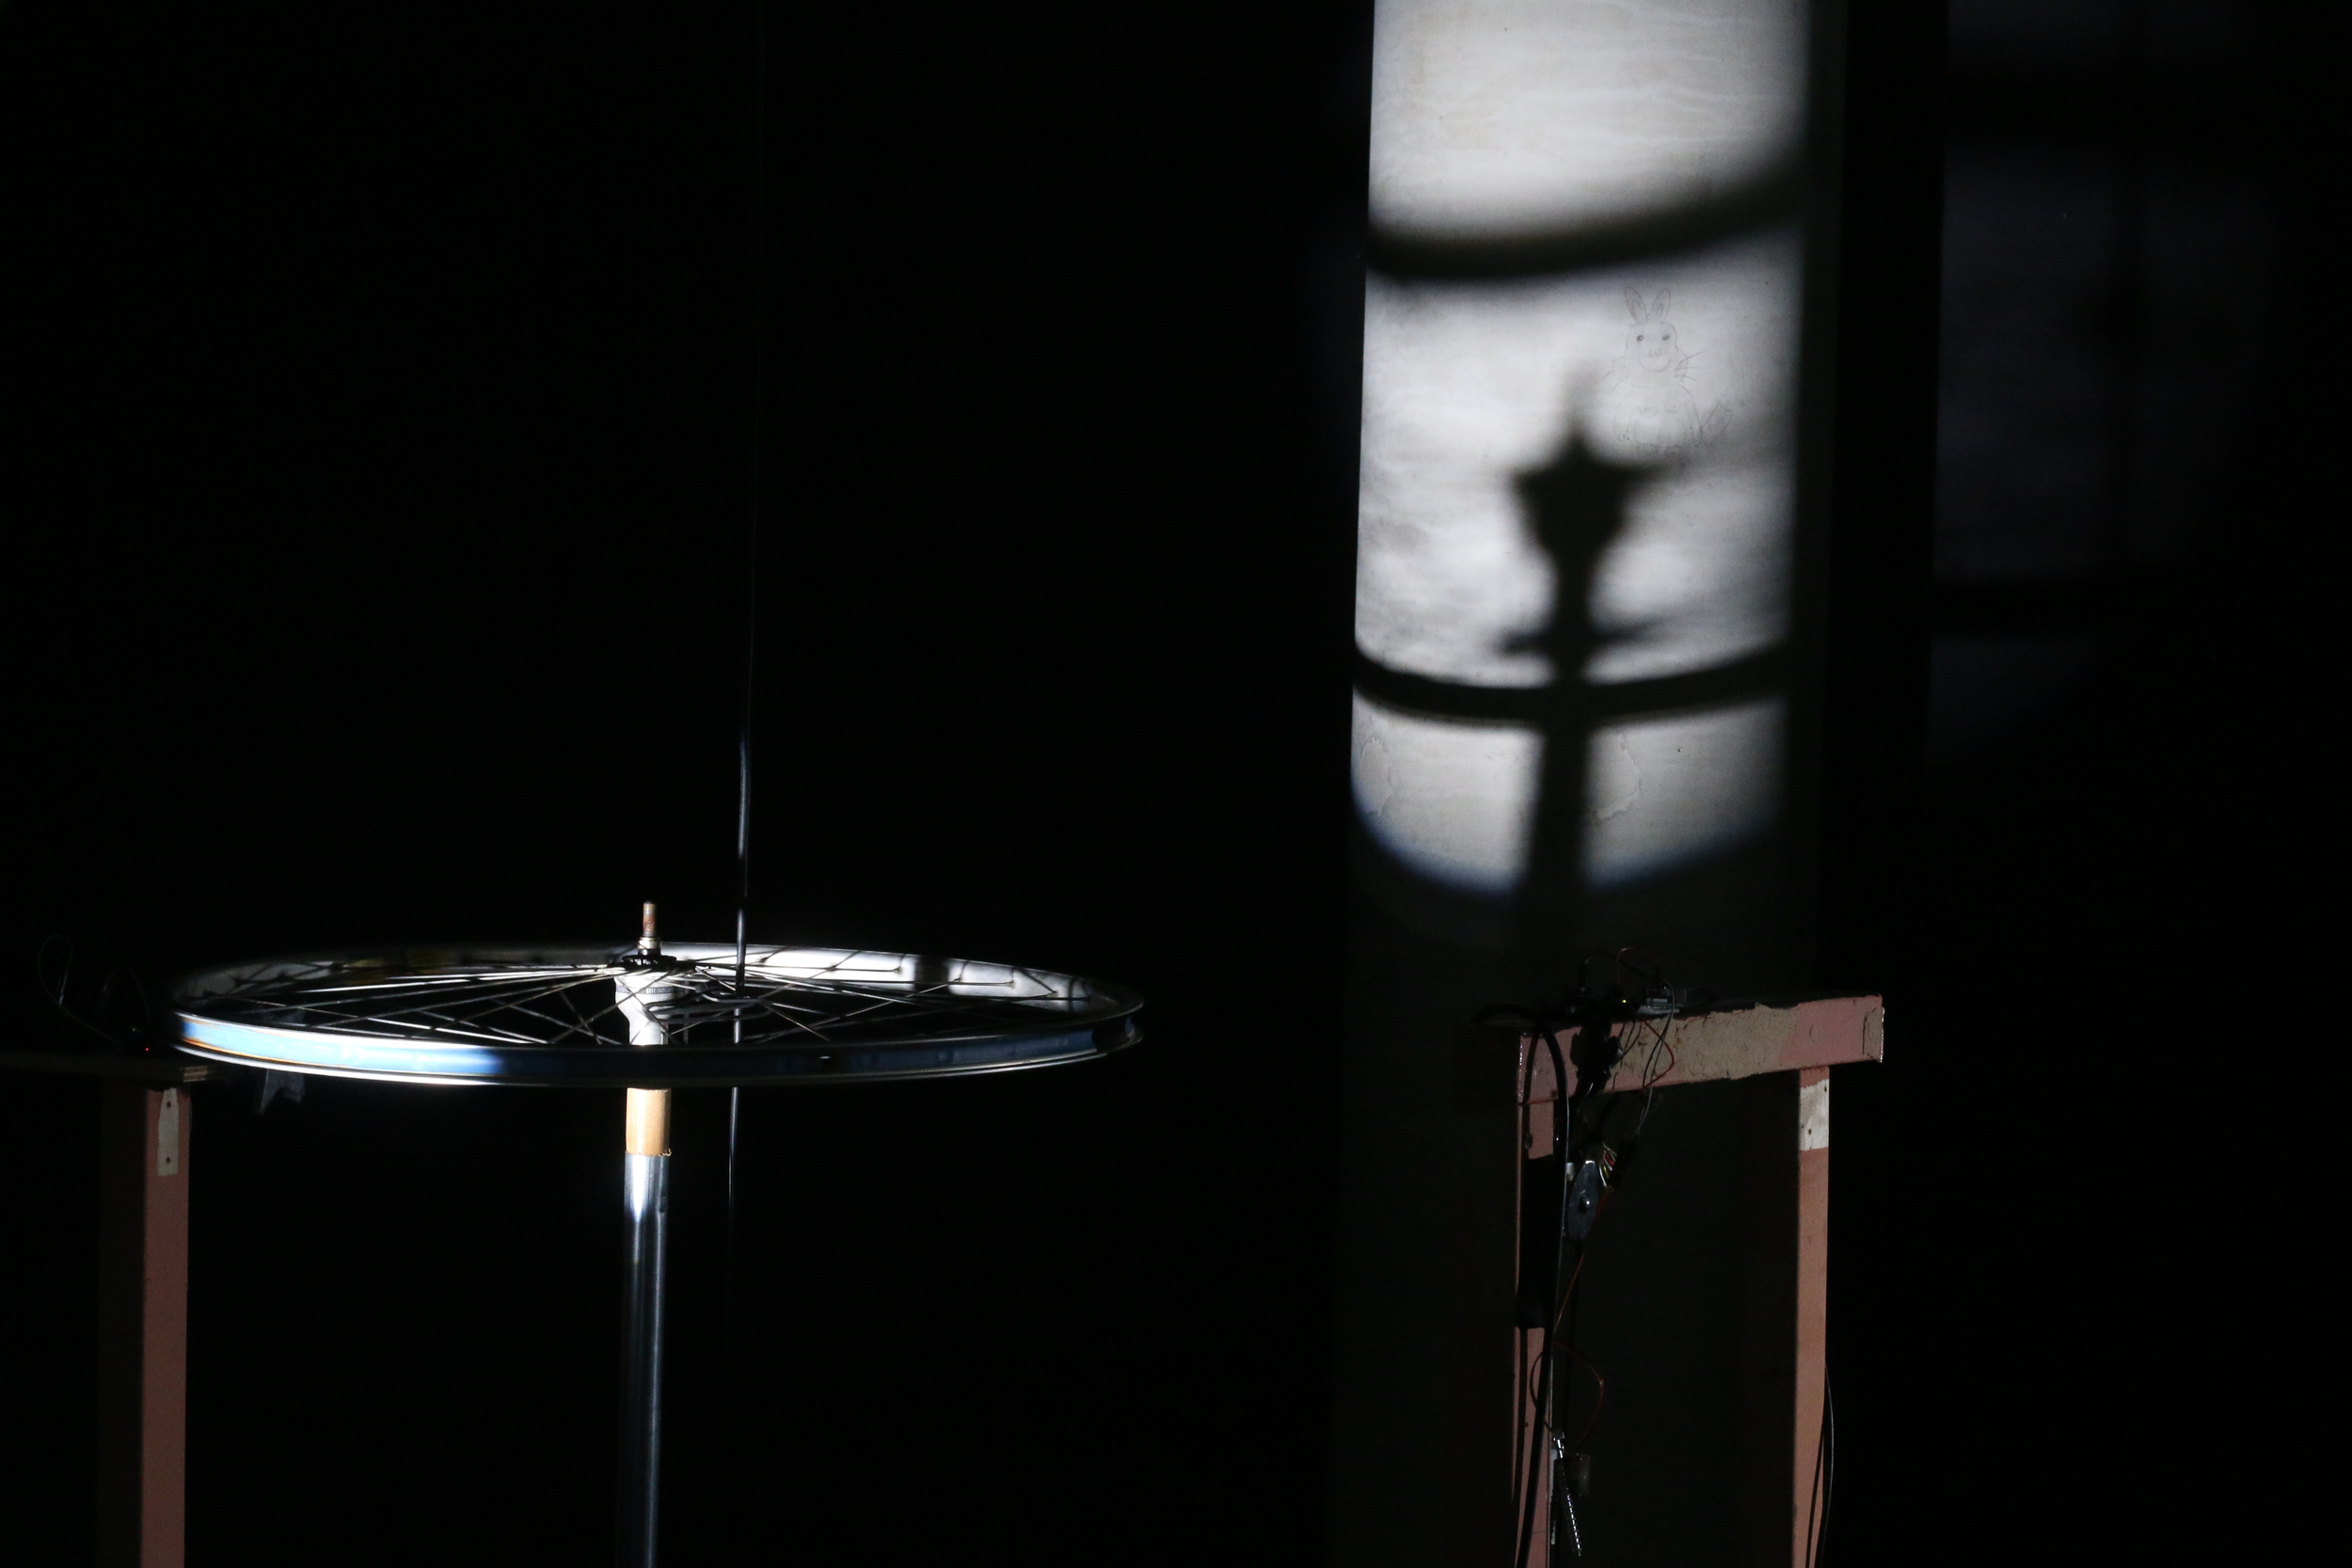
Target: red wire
{"points": [[1600, 1385]]}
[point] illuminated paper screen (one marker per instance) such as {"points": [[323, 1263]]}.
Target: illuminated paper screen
{"points": [[1580, 480]]}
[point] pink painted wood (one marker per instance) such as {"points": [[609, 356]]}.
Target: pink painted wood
{"points": [[1812, 1378], [1740, 1044], [143, 1370], [1808, 1039]]}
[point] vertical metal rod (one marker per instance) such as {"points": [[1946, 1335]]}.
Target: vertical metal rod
{"points": [[758, 478], [751, 567], [751, 629], [742, 909], [646, 1177], [735, 1113], [641, 990], [751, 555]]}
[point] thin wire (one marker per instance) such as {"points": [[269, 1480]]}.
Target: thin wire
{"points": [[1526, 1134], [735, 1115], [1535, 1469], [1524, 1460], [750, 556], [1651, 1074], [751, 637], [1825, 1443], [1535, 1472], [1521, 1368], [1600, 1394], [1556, 1340], [1560, 1338]]}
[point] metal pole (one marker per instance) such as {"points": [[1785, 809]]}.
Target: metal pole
{"points": [[646, 1189]]}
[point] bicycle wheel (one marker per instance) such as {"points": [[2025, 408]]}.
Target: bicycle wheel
{"points": [[591, 1016]]}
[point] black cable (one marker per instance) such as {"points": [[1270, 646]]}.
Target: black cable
{"points": [[1548, 1368], [751, 643], [1595, 1018], [1547, 1388], [53, 967], [1650, 1077], [1519, 1425], [751, 553], [1824, 1476], [1560, 1107], [1527, 1089], [1829, 1481], [1535, 1469]]}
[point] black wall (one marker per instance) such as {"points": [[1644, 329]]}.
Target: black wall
{"points": [[2065, 1305], [379, 441], [377, 460]]}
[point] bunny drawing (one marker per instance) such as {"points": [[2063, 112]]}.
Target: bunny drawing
{"points": [[1647, 412]]}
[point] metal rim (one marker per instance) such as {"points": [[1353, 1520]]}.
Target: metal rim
{"points": [[564, 1014]]}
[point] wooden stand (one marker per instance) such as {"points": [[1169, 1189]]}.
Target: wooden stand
{"points": [[1771, 1136], [147, 1121], [143, 1325]]}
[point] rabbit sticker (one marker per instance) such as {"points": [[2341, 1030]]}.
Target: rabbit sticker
{"points": [[1647, 407]]}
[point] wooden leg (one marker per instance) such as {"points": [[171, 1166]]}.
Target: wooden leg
{"points": [[143, 1326], [1812, 1379]]}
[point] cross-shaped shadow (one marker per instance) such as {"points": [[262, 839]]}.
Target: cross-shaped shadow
{"points": [[1576, 506]]}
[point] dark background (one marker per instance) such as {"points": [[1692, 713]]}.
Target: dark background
{"points": [[380, 442], [378, 449]]}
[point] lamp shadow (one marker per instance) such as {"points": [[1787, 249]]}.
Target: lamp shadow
{"points": [[1576, 508]]}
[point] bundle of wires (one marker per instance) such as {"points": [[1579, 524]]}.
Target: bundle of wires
{"points": [[1589, 1167]]}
